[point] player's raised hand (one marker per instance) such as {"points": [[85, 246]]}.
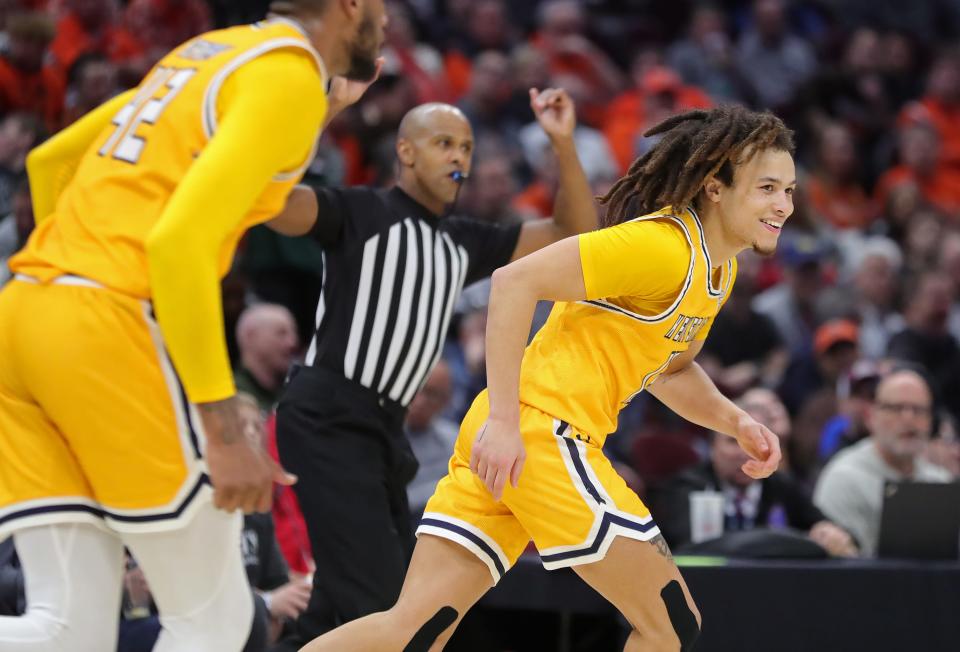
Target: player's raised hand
{"points": [[497, 456], [554, 111], [761, 445], [344, 92]]}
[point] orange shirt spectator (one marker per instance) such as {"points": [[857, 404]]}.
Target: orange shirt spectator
{"points": [[536, 199], [845, 206], [659, 95], [940, 106], [833, 192], [922, 166], [164, 24], [25, 83], [941, 188]]}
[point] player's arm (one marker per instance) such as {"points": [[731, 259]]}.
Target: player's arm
{"points": [[574, 208], [51, 165], [686, 389], [184, 248], [300, 214]]}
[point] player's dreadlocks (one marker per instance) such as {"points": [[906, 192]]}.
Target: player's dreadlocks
{"points": [[694, 146]]}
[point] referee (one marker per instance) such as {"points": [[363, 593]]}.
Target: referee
{"points": [[394, 264]]}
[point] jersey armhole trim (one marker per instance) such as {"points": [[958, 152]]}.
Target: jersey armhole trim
{"points": [[209, 112]]}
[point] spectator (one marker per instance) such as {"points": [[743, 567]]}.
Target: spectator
{"points": [[705, 57], [744, 348], [871, 295], [775, 502], [850, 489], [926, 340], [411, 57], [431, 436], [15, 227], [267, 337], [940, 106], [855, 395], [491, 189], [474, 26], [944, 447], [164, 24], [485, 103], [771, 59], [920, 165], [562, 36], [948, 262], [658, 93], [18, 134], [26, 83], [791, 305], [96, 26], [837, 198], [91, 82]]}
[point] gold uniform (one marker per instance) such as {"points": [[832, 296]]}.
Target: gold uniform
{"points": [[96, 415], [651, 290]]}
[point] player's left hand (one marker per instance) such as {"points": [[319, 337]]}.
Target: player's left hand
{"points": [[344, 92], [761, 445], [554, 111], [498, 455]]}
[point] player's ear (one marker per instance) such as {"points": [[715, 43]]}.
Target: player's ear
{"points": [[713, 188], [352, 8]]}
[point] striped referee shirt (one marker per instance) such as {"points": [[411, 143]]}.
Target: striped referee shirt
{"points": [[392, 271]]}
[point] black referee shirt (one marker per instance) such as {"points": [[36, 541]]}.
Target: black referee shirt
{"points": [[391, 274]]}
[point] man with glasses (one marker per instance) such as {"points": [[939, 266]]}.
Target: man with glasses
{"points": [[850, 489]]}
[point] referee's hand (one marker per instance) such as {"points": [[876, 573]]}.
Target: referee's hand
{"points": [[554, 111], [498, 455], [241, 472]]}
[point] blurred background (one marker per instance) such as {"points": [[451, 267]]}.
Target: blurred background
{"points": [[867, 276]]}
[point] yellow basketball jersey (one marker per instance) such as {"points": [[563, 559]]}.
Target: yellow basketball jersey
{"points": [[651, 291], [125, 179]]}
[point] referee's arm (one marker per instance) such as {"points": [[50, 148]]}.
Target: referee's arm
{"points": [[574, 211]]}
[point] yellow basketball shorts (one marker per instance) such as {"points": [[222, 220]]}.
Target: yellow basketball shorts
{"points": [[570, 501], [94, 425]]}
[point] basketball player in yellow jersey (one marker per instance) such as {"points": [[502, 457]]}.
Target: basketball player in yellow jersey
{"points": [[635, 302], [105, 441]]}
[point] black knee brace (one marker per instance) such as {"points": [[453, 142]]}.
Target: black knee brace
{"points": [[683, 621], [431, 630]]}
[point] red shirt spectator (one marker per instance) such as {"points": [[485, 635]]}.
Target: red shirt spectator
{"points": [[25, 83], [164, 24], [91, 26], [290, 528], [835, 196]]}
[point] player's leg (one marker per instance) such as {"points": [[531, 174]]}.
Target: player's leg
{"points": [[443, 582], [72, 575], [640, 579], [585, 516], [197, 578]]}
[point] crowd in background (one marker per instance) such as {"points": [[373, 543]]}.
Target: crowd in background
{"points": [[867, 275]]}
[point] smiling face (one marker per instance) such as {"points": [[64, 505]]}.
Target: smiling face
{"points": [[755, 206]]}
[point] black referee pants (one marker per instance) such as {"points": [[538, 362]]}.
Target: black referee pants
{"points": [[348, 449]]}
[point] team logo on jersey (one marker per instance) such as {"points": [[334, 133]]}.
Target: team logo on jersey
{"points": [[685, 328], [201, 50]]}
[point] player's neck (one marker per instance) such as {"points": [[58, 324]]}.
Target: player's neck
{"points": [[335, 59], [720, 244]]}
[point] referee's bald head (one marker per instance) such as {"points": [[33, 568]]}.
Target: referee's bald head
{"points": [[424, 119]]}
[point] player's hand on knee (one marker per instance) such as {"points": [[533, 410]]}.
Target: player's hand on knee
{"points": [[761, 445], [498, 456]]}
